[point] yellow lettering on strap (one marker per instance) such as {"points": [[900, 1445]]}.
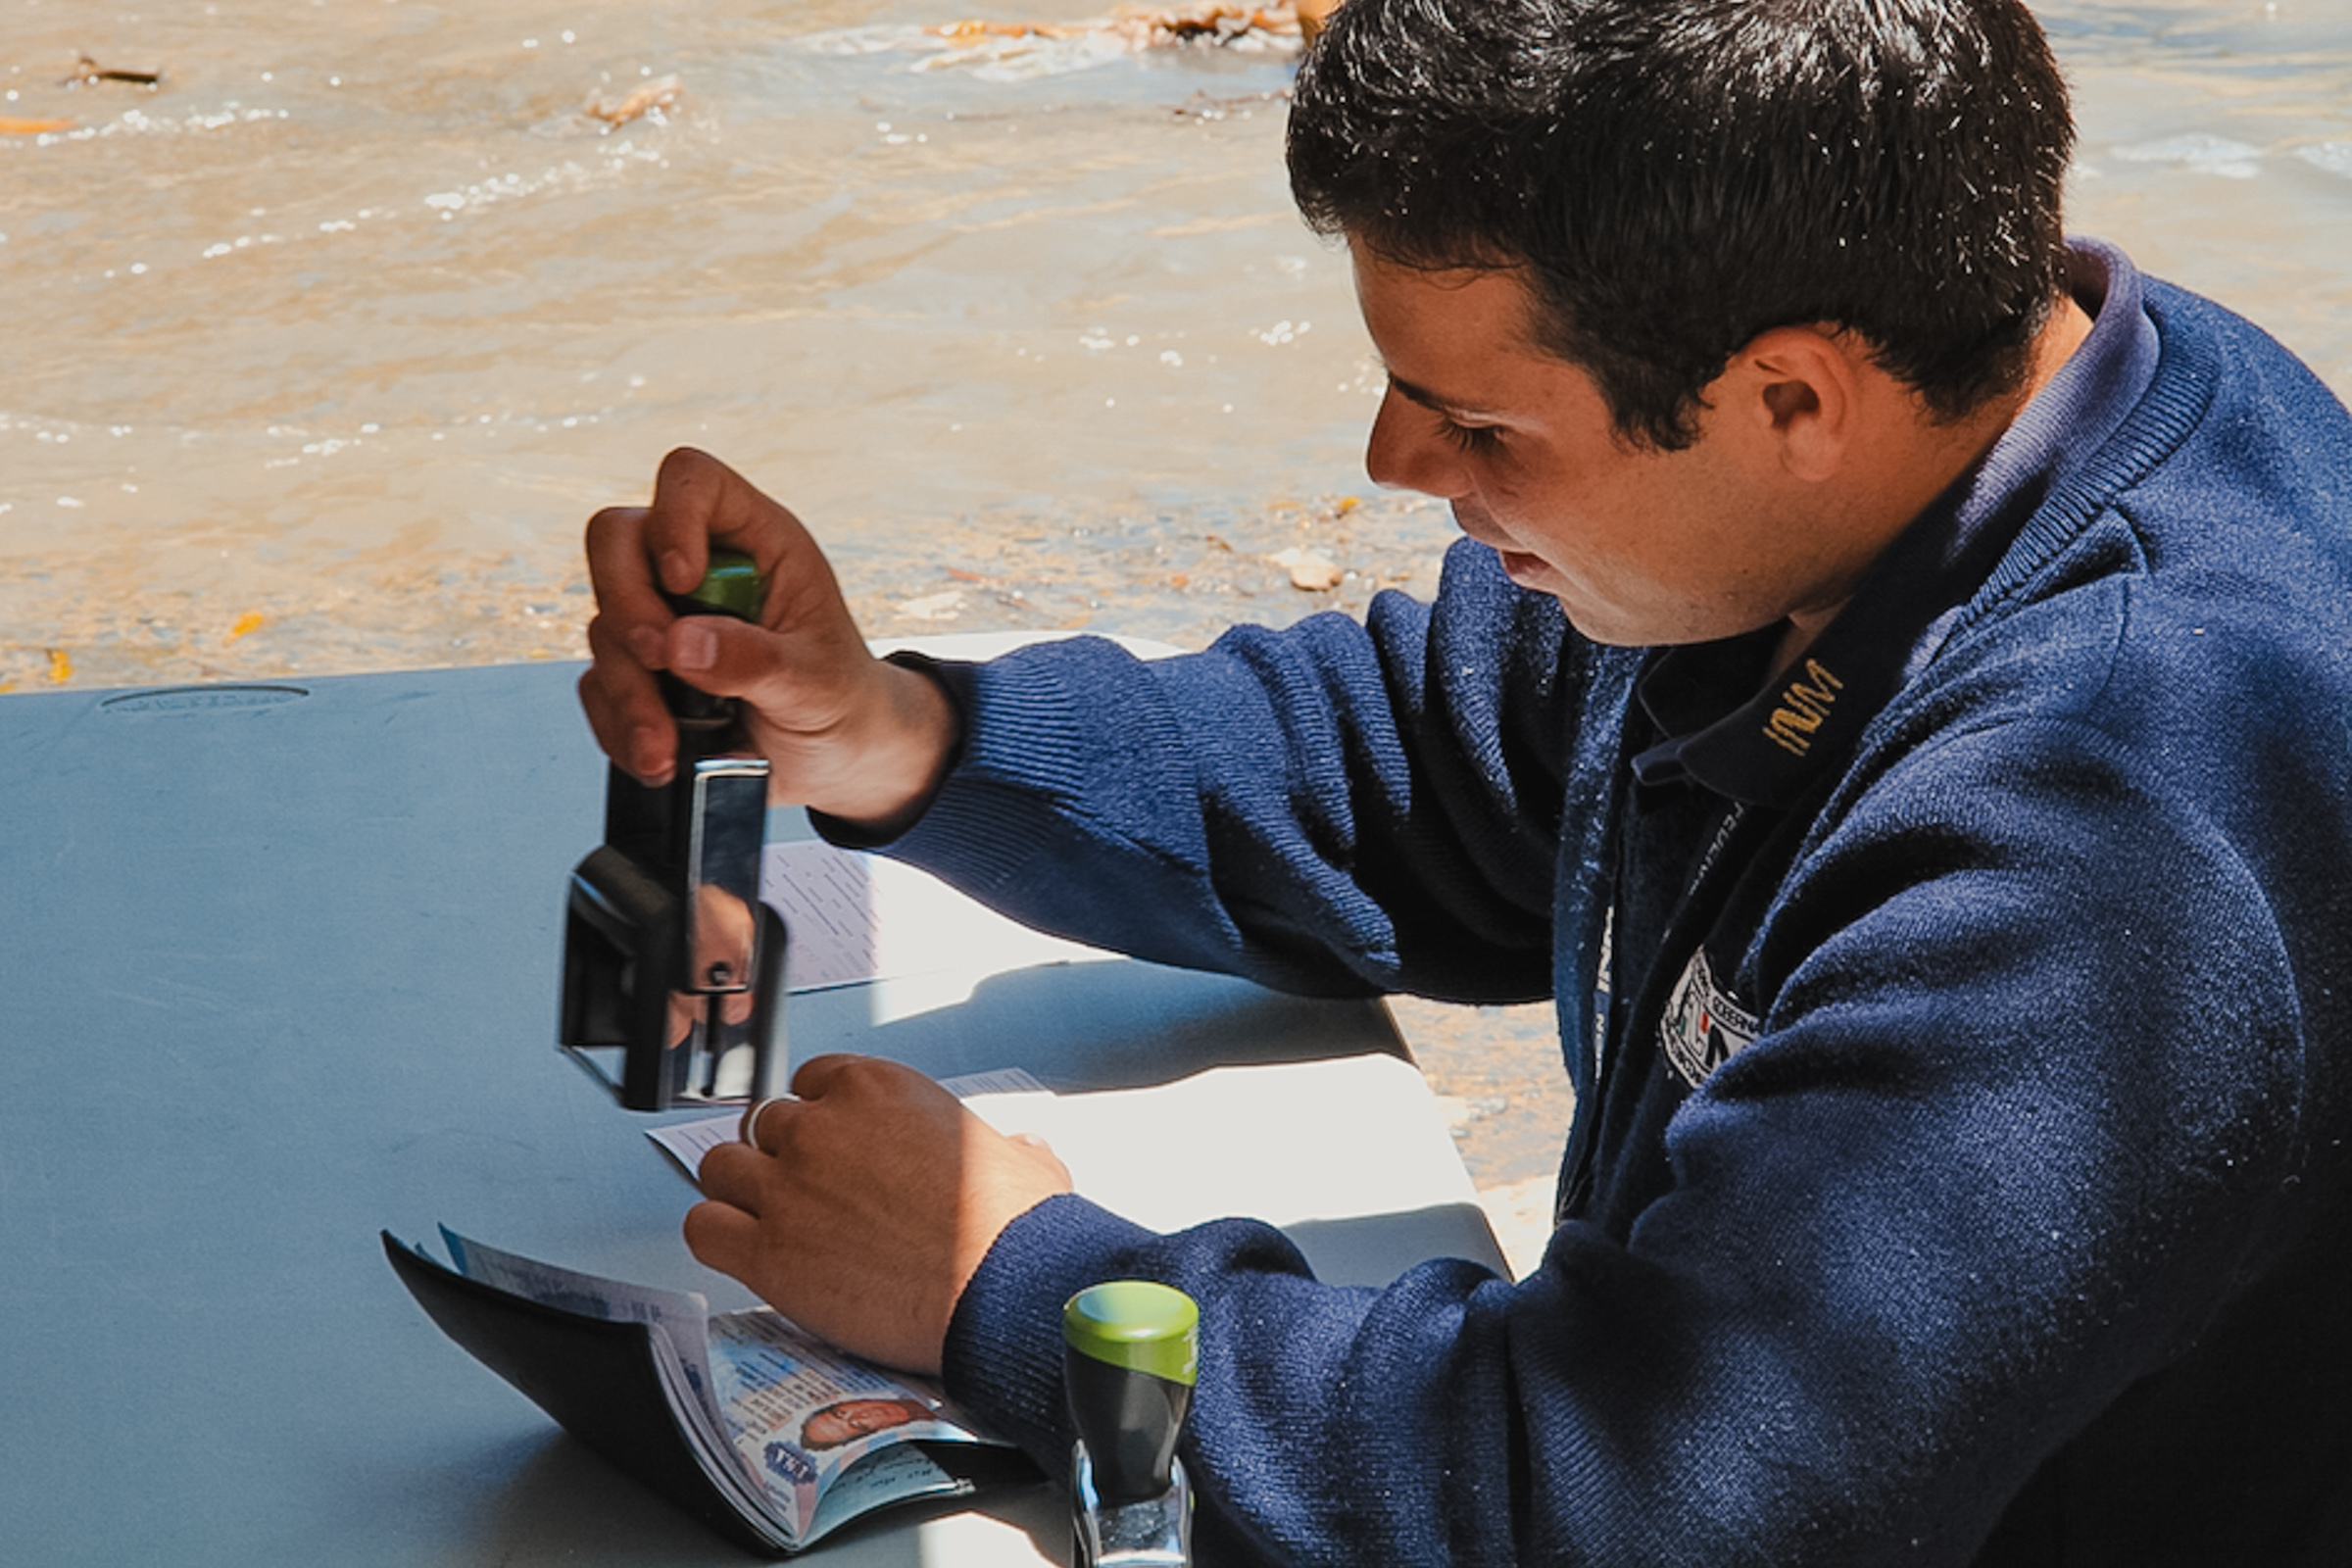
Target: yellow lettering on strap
{"points": [[1804, 703]]}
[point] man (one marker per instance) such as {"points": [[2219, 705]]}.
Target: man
{"points": [[1896, 698]]}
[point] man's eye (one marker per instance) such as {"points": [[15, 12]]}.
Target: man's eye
{"points": [[1475, 439]]}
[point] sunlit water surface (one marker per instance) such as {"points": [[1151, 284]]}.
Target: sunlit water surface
{"points": [[318, 352]]}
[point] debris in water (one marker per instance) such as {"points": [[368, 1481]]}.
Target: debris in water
{"points": [[1215, 22], [934, 607], [975, 29], [88, 73], [653, 97], [1311, 571]]}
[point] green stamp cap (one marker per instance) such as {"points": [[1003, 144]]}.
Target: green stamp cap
{"points": [[1139, 1325], [730, 586]]}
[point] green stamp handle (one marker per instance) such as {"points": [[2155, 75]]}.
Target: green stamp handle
{"points": [[730, 586], [1137, 1325]]}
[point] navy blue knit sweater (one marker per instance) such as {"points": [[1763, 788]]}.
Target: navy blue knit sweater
{"points": [[1959, 1024]]}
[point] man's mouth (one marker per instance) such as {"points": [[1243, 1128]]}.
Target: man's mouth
{"points": [[1527, 572]]}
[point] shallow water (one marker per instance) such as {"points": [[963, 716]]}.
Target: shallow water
{"points": [[361, 294], [321, 351]]}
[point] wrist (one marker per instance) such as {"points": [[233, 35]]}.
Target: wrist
{"points": [[919, 735]]}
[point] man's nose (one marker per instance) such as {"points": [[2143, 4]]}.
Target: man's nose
{"points": [[1405, 452]]}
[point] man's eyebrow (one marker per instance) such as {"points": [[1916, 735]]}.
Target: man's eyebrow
{"points": [[1435, 402]]}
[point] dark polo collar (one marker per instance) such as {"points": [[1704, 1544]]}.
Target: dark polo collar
{"points": [[1765, 745]]}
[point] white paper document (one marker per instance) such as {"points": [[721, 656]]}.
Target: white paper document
{"points": [[1314, 1147], [854, 918], [687, 1141]]}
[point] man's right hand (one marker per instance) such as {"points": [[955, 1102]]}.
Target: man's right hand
{"points": [[843, 732]]}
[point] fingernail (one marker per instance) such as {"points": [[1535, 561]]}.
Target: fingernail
{"points": [[646, 644], [676, 572], [698, 645]]}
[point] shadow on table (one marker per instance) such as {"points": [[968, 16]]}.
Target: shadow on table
{"points": [[1111, 1024]]}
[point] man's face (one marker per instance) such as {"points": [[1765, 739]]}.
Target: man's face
{"points": [[852, 1419], [1638, 546]]}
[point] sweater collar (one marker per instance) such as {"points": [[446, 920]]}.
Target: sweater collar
{"points": [[1766, 744]]}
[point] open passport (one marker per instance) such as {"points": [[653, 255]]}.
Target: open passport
{"points": [[774, 1438], [766, 1433]]}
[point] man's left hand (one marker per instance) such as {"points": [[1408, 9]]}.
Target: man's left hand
{"points": [[868, 1205]]}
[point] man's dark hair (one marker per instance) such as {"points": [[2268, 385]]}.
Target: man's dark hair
{"points": [[1676, 177]]}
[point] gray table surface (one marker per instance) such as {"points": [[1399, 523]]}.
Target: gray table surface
{"points": [[277, 970]]}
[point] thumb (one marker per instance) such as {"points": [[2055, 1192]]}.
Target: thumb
{"points": [[844, 732], [793, 682]]}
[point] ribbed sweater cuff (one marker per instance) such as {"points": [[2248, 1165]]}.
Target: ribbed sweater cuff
{"points": [[1002, 1359], [1035, 748], [1028, 737], [1029, 740]]}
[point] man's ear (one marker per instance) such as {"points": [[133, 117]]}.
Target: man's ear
{"points": [[1799, 390]]}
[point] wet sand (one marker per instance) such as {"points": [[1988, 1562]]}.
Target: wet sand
{"points": [[205, 609]]}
